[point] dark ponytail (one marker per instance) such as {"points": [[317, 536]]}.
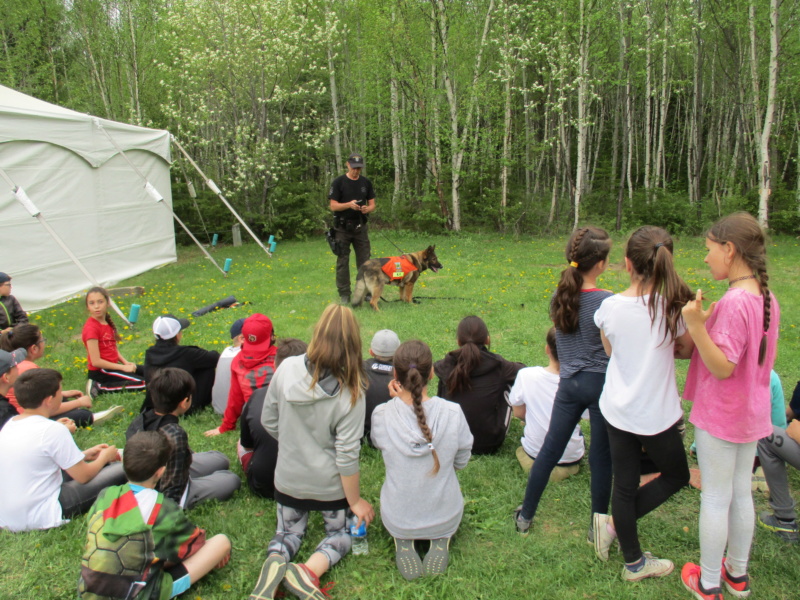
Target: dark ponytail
{"points": [[472, 333], [650, 250], [586, 247], [412, 364], [23, 335]]}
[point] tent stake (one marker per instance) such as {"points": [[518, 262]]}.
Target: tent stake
{"points": [[213, 187], [26, 202]]}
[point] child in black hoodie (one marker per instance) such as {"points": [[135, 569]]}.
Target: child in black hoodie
{"points": [[167, 352]]}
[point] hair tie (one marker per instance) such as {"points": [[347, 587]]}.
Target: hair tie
{"points": [[659, 244], [412, 366], [573, 264]]}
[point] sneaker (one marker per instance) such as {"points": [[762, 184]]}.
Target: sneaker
{"points": [[602, 537], [786, 530], [653, 567], [302, 582], [690, 576], [523, 524], [407, 559], [737, 586], [92, 388], [270, 578], [105, 415], [438, 557]]}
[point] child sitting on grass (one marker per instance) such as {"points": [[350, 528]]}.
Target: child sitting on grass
{"points": [[168, 352], [424, 441], [315, 409], [109, 371], [8, 375], [11, 312], [190, 477], [258, 450], [137, 526], [76, 405], [46, 478], [222, 377], [531, 398]]}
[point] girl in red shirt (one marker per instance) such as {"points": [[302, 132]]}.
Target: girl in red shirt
{"points": [[109, 371]]}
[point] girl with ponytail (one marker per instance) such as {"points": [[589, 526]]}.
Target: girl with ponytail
{"points": [[582, 372], [729, 382], [424, 441], [479, 381], [641, 328]]}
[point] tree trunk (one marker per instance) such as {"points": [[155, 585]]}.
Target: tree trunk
{"points": [[583, 98], [764, 148]]}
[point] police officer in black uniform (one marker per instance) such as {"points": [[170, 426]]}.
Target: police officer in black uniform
{"points": [[351, 199]]}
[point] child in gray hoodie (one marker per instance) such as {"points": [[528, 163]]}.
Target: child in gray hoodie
{"points": [[314, 408], [424, 442]]}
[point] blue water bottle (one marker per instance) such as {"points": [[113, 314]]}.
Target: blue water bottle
{"points": [[358, 533]]}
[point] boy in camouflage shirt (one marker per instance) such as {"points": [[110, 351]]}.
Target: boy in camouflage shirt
{"points": [[138, 541]]}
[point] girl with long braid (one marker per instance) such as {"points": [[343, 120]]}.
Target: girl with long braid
{"points": [[729, 382], [582, 372], [424, 441]]}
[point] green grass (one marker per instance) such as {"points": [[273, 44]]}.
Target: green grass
{"points": [[504, 280]]}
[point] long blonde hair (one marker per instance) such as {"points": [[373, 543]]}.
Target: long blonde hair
{"points": [[336, 347]]}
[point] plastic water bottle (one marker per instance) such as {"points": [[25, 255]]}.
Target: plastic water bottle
{"points": [[358, 533]]}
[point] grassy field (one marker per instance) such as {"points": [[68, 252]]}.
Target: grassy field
{"points": [[507, 282]]}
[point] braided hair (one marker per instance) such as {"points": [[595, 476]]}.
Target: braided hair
{"points": [[586, 247], [413, 362], [743, 231]]}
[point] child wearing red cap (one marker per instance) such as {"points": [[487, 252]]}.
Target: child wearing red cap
{"points": [[251, 369]]}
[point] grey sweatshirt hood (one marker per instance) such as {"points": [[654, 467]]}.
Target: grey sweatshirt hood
{"points": [[406, 436], [301, 393]]}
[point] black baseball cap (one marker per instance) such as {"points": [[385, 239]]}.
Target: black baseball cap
{"points": [[356, 161]]}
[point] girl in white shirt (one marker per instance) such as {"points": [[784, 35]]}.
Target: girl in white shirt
{"points": [[640, 399]]}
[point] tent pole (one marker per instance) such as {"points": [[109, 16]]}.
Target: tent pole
{"points": [[213, 187], [155, 195], [26, 202]]}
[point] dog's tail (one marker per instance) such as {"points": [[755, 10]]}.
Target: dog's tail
{"points": [[360, 290]]}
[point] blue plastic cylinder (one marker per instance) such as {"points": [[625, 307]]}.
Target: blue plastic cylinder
{"points": [[272, 246], [227, 267], [134, 316], [271, 240], [215, 239]]}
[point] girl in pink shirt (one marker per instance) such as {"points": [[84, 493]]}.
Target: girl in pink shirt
{"points": [[729, 383]]}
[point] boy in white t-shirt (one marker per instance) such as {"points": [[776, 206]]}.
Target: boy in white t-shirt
{"points": [[532, 398], [222, 379], [46, 478]]}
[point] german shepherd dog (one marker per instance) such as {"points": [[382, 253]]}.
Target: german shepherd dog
{"points": [[372, 275]]}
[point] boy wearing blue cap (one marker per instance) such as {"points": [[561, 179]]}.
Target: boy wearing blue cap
{"points": [[222, 380]]}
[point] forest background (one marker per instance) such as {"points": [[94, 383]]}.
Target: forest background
{"points": [[491, 115]]}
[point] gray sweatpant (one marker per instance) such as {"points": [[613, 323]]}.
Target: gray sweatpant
{"points": [[210, 479], [774, 452], [291, 528]]}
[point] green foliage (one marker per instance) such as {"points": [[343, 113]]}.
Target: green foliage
{"points": [[505, 280]]}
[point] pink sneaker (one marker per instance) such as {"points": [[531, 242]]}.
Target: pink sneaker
{"points": [[690, 575]]}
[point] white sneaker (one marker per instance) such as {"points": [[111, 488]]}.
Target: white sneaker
{"points": [[105, 415], [602, 538], [653, 567]]}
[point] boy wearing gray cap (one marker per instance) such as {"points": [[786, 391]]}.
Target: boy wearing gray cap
{"points": [[380, 372], [11, 311]]}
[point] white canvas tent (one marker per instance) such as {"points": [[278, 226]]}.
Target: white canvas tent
{"points": [[86, 191]]}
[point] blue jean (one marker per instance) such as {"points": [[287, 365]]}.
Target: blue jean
{"points": [[575, 394]]}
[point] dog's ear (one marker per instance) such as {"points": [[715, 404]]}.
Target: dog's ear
{"points": [[431, 249]]}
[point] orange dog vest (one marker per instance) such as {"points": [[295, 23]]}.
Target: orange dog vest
{"points": [[398, 267]]}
